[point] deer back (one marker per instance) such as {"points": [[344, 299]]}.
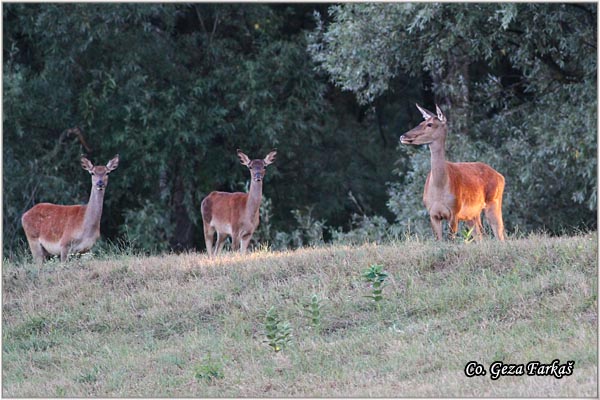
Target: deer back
{"points": [[54, 223]]}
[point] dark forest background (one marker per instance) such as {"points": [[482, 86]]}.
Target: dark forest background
{"points": [[175, 89]]}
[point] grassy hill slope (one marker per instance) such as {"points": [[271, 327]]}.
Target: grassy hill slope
{"points": [[185, 325]]}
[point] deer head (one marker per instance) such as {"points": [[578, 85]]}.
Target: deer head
{"points": [[100, 173], [257, 167], [431, 129]]}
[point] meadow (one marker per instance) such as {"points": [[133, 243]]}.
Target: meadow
{"points": [[127, 325]]}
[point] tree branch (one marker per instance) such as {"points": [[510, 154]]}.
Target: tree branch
{"points": [[77, 132], [200, 18]]}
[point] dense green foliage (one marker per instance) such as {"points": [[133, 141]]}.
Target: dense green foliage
{"points": [[175, 89], [518, 82]]}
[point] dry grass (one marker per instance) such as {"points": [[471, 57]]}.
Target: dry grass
{"points": [[185, 325]]}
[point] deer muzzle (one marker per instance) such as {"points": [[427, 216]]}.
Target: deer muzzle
{"points": [[406, 140]]}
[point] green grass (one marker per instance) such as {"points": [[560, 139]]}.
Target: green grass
{"points": [[188, 326]]}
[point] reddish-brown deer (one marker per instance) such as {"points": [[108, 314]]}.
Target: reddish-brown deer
{"points": [[456, 191], [235, 214], [53, 229]]}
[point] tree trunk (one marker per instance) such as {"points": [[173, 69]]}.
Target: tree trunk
{"points": [[183, 232]]}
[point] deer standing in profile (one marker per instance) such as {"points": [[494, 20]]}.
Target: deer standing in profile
{"points": [[53, 229], [235, 214], [456, 191]]}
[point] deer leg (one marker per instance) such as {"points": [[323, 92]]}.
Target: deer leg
{"points": [[37, 251], [437, 214], [220, 242], [453, 225], [245, 241], [235, 242], [479, 227], [209, 233], [64, 253], [436, 225], [493, 213]]}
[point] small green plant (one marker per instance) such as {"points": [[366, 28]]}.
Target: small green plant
{"points": [[376, 277], [466, 235], [209, 370], [314, 311], [278, 332]]}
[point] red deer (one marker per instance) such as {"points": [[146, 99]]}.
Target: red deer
{"points": [[53, 229], [235, 214], [456, 191]]}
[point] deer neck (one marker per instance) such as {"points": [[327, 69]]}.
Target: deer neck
{"points": [[93, 213], [439, 172], [254, 198]]}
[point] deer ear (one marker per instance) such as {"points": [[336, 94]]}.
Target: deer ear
{"points": [[270, 158], [440, 114], [243, 158], [426, 114], [113, 164], [87, 164]]}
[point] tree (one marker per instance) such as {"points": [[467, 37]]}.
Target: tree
{"points": [[175, 89], [517, 81]]}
